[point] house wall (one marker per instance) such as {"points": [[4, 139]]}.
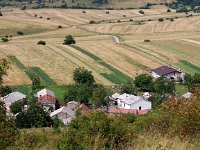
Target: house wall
{"points": [[143, 104], [155, 75], [64, 117], [175, 75]]}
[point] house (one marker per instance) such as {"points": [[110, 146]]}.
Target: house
{"points": [[187, 95], [112, 110], [12, 98], [64, 114], [168, 72], [84, 109], [73, 105], [129, 101], [46, 97]]}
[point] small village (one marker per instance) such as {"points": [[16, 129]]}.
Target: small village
{"points": [[119, 104]]}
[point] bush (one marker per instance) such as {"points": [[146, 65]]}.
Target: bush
{"points": [[1, 14], [69, 40], [4, 39], [41, 43], [160, 19], [168, 10], [92, 22], [171, 19], [59, 26], [48, 18], [16, 107], [20, 33], [35, 16], [147, 40], [131, 20], [84, 11], [23, 7], [97, 129], [141, 12]]}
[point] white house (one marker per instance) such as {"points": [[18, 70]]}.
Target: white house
{"points": [[11, 98], [168, 72], [64, 114], [128, 101]]}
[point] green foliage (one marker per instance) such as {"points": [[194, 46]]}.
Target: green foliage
{"points": [[164, 86], [69, 40], [16, 107], [34, 78], [92, 22], [189, 67], [41, 42], [34, 116], [129, 88], [8, 129], [144, 82], [141, 12], [191, 80], [5, 90], [97, 129], [43, 76], [83, 76], [147, 40], [100, 96], [4, 39], [20, 33], [79, 92], [160, 19], [4, 66]]}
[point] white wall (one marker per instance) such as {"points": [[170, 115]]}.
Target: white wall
{"points": [[142, 103]]}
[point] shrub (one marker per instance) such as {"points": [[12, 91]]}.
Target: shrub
{"points": [[118, 21], [141, 12], [4, 39], [20, 33], [59, 26], [124, 15], [168, 10], [92, 22], [1, 14], [23, 7], [41, 17], [147, 40], [35, 16], [160, 19], [107, 12], [41, 43], [171, 19], [97, 129], [48, 18], [69, 40], [84, 11], [131, 20]]}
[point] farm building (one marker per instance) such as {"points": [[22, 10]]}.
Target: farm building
{"points": [[64, 114], [168, 72], [128, 101], [12, 98], [46, 97]]}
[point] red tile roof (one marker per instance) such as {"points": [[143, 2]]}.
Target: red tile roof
{"points": [[84, 108], [115, 110], [47, 99]]}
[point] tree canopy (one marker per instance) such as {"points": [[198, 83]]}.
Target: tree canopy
{"points": [[69, 40], [144, 82], [83, 76]]}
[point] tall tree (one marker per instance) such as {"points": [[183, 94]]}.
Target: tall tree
{"points": [[144, 82], [83, 76]]}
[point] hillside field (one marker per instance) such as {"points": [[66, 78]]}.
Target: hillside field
{"points": [[174, 42]]}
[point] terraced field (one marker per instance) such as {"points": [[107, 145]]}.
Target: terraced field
{"points": [[171, 42]]}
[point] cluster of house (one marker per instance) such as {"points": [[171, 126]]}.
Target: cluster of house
{"points": [[125, 103], [48, 99]]}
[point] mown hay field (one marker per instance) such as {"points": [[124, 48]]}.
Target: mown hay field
{"points": [[171, 42]]}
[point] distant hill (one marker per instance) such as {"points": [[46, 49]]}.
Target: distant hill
{"points": [[109, 4]]}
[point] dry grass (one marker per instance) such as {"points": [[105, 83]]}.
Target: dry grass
{"points": [[171, 41]]}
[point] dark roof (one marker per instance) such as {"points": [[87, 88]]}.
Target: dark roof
{"points": [[164, 70]]}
